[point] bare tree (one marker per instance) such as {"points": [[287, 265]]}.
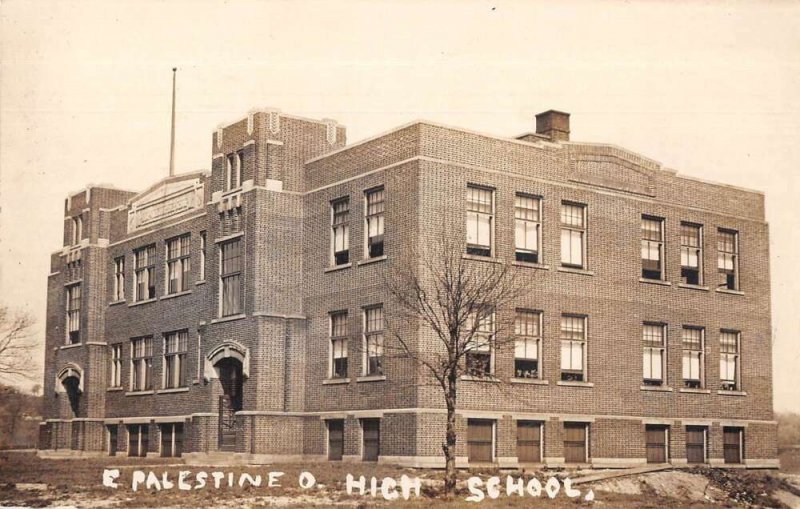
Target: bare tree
{"points": [[16, 344], [468, 305]]}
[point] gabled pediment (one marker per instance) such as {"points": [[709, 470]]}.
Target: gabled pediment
{"points": [[612, 167], [166, 199]]}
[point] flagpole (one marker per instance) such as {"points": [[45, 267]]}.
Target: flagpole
{"points": [[172, 134]]}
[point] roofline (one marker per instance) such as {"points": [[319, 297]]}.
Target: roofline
{"points": [[269, 109], [720, 184]]}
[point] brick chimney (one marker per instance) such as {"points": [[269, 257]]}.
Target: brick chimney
{"points": [[553, 124]]}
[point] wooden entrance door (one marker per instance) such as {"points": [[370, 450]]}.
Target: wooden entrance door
{"points": [[695, 444], [230, 377], [656, 443]]}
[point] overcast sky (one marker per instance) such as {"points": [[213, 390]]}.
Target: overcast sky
{"points": [[711, 90]]}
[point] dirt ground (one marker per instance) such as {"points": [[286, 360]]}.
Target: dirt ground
{"points": [[26, 480]]}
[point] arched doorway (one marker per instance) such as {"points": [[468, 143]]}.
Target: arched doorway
{"points": [[230, 402], [72, 386]]}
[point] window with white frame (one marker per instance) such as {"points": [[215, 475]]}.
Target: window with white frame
{"points": [[729, 360], [693, 342], [116, 366], [573, 235], [526, 228], [202, 275], [374, 220], [178, 264], [654, 344], [338, 334], [73, 307], [230, 277], [652, 248], [119, 278], [145, 273], [728, 259], [573, 348], [340, 231], [480, 220], [77, 229], [176, 346], [691, 254], [142, 364], [527, 329], [374, 325], [478, 349]]}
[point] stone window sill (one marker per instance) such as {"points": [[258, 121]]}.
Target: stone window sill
{"points": [[489, 379], [116, 302], [67, 347], [478, 258], [139, 393], [173, 295], [688, 390], [654, 281], [371, 378], [230, 318], [693, 287], [566, 383], [172, 390], [141, 302], [656, 388], [729, 292], [531, 381], [335, 381], [732, 393], [367, 261], [338, 267], [228, 237], [575, 270], [201, 282], [530, 265], [114, 389]]}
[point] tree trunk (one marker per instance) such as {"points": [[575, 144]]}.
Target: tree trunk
{"points": [[449, 446]]}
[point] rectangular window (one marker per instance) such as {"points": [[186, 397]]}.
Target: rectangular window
{"points": [[527, 329], [656, 443], [729, 360], [480, 220], [728, 259], [145, 274], [693, 342], [335, 439], [338, 333], [654, 344], [234, 170], [178, 264], [573, 348], [119, 279], [526, 228], [480, 440], [202, 275], [374, 222], [529, 441], [73, 314], [142, 364], [691, 254], [696, 444], [652, 248], [116, 366], [231, 278], [176, 345], [373, 337], [479, 348], [575, 438], [171, 440], [77, 229], [733, 444], [340, 231], [138, 439], [573, 233], [113, 439], [371, 429]]}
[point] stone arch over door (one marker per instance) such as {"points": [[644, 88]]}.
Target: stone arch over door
{"points": [[229, 364], [226, 350], [69, 381]]}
